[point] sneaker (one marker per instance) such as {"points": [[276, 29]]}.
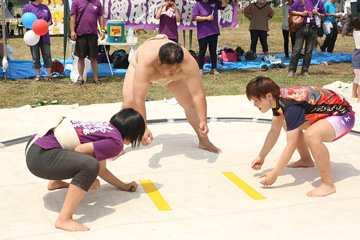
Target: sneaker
{"points": [[264, 68], [306, 74], [216, 73], [291, 74]]}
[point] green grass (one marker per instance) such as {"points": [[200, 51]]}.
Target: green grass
{"points": [[16, 93]]}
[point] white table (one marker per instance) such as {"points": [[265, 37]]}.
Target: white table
{"points": [[104, 43]]}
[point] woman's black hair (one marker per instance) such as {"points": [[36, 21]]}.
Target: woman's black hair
{"points": [[171, 53], [131, 125]]}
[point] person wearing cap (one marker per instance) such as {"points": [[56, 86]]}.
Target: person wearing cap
{"points": [[9, 14]]}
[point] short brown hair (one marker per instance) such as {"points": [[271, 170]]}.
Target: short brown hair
{"points": [[260, 86]]}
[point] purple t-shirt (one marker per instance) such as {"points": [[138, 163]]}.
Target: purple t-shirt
{"points": [[203, 9], [309, 5], [41, 11], [168, 26], [88, 23], [107, 139]]}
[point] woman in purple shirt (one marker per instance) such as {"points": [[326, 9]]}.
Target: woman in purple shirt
{"points": [[205, 13], [41, 11], [99, 141], [169, 17]]}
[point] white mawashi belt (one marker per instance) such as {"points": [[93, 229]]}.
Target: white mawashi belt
{"points": [[63, 130]]}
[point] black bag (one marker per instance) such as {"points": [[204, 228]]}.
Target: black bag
{"points": [[120, 59], [250, 55]]}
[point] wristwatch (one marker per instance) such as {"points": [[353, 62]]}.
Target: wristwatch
{"points": [[103, 31]]}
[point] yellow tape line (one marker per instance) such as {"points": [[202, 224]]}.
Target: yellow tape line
{"points": [[244, 186], [155, 195]]}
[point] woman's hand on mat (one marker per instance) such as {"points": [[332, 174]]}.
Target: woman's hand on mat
{"points": [[147, 138], [270, 178], [257, 163], [203, 129], [131, 187]]}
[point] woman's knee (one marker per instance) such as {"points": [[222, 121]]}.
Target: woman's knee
{"points": [[87, 174]]}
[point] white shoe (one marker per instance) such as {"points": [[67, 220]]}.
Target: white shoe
{"points": [[216, 73]]}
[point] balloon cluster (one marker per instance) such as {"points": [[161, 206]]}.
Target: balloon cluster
{"points": [[39, 28]]}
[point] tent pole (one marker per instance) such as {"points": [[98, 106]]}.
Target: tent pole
{"points": [[4, 32]]}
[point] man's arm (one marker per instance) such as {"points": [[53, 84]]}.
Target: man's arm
{"points": [[102, 28], [194, 83], [72, 27], [141, 86], [247, 11]]}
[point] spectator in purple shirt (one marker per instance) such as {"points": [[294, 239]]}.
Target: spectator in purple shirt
{"points": [[84, 32], [169, 17], [306, 33], [205, 13], [98, 142], [41, 11]]}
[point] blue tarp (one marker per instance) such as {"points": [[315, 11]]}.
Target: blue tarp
{"points": [[22, 69]]}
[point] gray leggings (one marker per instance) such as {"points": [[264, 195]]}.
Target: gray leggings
{"points": [[59, 164]]}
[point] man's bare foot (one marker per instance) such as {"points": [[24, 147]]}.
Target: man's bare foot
{"points": [[301, 163], [95, 185], [322, 191], [57, 184], [209, 147], [70, 225]]}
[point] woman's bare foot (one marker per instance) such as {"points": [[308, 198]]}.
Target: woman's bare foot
{"points": [[57, 184], [358, 100], [70, 225], [301, 163], [322, 191], [95, 185], [209, 147]]}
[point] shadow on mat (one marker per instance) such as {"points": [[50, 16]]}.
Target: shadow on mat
{"points": [[96, 203], [179, 144], [340, 171]]}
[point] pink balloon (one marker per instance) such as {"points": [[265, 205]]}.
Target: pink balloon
{"points": [[40, 27]]}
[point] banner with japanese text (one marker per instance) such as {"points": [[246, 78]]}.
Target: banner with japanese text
{"points": [[141, 13], [57, 12]]}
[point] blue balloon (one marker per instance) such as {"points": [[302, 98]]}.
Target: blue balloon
{"points": [[28, 19]]}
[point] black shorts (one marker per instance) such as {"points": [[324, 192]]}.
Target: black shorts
{"points": [[319, 31], [86, 45]]}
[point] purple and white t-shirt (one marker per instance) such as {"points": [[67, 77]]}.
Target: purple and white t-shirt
{"points": [[203, 9], [41, 11], [107, 139], [88, 22]]}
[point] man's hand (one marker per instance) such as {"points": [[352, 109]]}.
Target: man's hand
{"points": [[147, 138], [73, 36], [210, 17], [131, 187], [203, 129], [270, 178], [257, 163], [102, 35], [305, 13]]}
